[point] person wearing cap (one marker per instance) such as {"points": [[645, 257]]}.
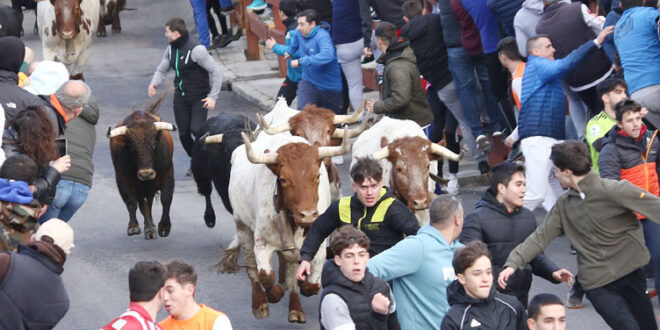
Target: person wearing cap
{"points": [[36, 267]]}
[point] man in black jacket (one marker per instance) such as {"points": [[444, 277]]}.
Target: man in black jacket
{"points": [[36, 268], [371, 209], [500, 221]]}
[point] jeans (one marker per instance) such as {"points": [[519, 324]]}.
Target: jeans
{"points": [[308, 93], [348, 56], [623, 304], [652, 238], [202, 25], [69, 197], [542, 186], [189, 115], [577, 110], [463, 68]]}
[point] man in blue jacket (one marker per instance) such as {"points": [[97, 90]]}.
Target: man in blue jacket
{"points": [[289, 87], [420, 283], [321, 78], [542, 113]]}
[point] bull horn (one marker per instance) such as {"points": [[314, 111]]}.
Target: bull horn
{"points": [[438, 179], [272, 130], [161, 125], [336, 151], [270, 158], [383, 153], [216, 138], [346, 119], [444, 152], [121, 130], [353, 132]]}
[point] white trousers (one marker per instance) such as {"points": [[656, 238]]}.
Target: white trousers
{"points": [[542, 186]]}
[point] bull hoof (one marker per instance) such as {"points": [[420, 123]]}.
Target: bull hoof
{"points": [[164, 230], [297, 317], [149, 233], [209, 218], [116, 29], [101, 33], [261, 312], [133, 231], [275, 294], [308, 289]]}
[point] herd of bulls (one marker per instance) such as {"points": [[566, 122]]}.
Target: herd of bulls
{"points": [[275, 181]]}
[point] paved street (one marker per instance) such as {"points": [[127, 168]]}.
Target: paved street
{"points": [[95, 275]]}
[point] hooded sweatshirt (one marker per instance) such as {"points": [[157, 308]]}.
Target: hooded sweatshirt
{"points": [[318, 58], [491, 223], [403, 96], [420, 270], [498, 311], [425, 35], [525, 23]]}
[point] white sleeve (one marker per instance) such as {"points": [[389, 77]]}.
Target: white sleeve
{"points": [[592, 21], [222, 323], [335, 314], [514, 135]]}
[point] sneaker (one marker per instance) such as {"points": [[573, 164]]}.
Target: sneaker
{"points": [[379, 79], [497, 133], [257, 5], [572, 249], [452, 185], [484, 168], [573, 301], [221, 41], [227, 10], [483, 143], [374, 16], [338, 160], [237, 35]]}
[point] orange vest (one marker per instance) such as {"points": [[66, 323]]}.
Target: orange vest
{"points": [[518, 74], [643, 175]]}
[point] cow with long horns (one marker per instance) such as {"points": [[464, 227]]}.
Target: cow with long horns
{"points": [[141, 149], [278, 186], [408, 159]]}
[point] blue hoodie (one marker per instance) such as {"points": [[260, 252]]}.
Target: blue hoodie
{"points": [[420, 268], [318, 59], [294, 74], [639, 47]]}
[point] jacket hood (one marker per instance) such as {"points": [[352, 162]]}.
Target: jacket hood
{"points": [[53, 252], [490, 201], [415, 28], [399, 50], [456, 295], [534, 5], [12, 52]]}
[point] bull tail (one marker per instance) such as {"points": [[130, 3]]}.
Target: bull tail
{"points": [[229, 261], [154, 107]]}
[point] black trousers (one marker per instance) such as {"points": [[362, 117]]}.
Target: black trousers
{"points": [[623, 304], [443, 120], [288, 90], [190, 115]]}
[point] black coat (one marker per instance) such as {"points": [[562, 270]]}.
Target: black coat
{"points": [[426, 41], [498, 311], [502, 231]]}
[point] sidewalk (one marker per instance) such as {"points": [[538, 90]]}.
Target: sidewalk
{"points": [[258, 82]]}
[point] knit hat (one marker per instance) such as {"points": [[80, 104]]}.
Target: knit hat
{"points": [[12, 52], [289, 7], [47, 78], [59, 231], [15, 192]]}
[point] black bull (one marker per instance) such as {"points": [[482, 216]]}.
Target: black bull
{"points": [[141, 149]]}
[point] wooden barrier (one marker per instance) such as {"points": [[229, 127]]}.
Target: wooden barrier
{"points": [[256, 29]]}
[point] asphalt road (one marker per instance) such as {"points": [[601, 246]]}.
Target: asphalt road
{"points": [[95, 275]]}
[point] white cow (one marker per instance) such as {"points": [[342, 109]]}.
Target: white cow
{"points": [[290, 169], [404, 143], [66, 33]]}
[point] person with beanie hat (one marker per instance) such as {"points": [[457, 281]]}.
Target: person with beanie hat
{"points": [[36, 267], [19, 211]]}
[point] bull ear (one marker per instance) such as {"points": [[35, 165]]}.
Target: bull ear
{"points": [[270, 158], [344, 119], [439, 150], [161, 125], [272, 130], [336, 151], [383, 142], [121, 130]]}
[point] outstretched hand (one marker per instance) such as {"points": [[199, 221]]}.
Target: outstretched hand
{"points": [[604, 33], [504, 276], [563, 275]]}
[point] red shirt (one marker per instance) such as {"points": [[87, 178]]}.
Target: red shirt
{"points": [[135, 318]]}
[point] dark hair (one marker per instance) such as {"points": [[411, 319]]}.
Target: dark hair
{"points": [[443, 209], [310, 16], [540, 300], [386, 31], [177, 24], [508, 47], [626, 4], [20, 168], [531, 42], [609, 85], [626, 106], [572, 155], [145, 279], [412, 8], [366, 167], [36, 136], [345, 237], [465, 257], [503, 172], [289, 7], [181, 272]]}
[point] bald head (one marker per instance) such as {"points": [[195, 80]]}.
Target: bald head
{"points": [[73, 95]]}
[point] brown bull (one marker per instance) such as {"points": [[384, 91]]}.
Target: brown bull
{"points": [[141, 149]]}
